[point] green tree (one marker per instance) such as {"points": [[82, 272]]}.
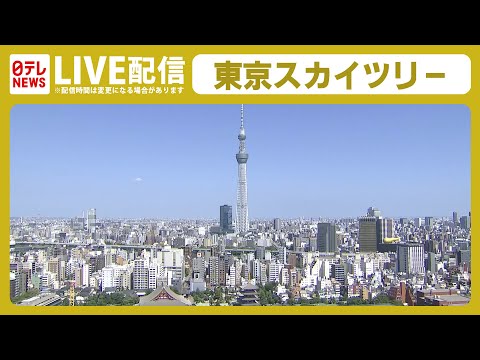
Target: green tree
{"points": [[26, 295], [115, 299], [304, 302], [355, 301], [101, 301], [381, 299], [218, 294]]}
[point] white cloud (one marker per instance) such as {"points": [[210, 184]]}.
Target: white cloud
{"points": [[138, 179]]}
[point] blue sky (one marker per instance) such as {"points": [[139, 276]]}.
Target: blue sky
{"points": [[178, 161]]}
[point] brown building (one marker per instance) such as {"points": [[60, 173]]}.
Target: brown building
{"points": [[121, 261], [410, 299], [78, 276], [398, 292], [440, 297], [222, 270], [292, 260], [365, 294], [296, 291]]}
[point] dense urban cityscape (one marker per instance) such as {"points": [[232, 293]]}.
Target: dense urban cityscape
{"points": [[410, 261], [234, 260]]}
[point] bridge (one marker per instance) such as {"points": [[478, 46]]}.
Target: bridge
{"points": [[41, 245]]}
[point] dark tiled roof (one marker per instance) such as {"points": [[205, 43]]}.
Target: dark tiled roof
{"points": [[163, 296]]}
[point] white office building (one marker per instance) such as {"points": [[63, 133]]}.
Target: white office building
{"points": [[172, 261], [411, 258], [274, 269], [152, 276], [107, 278]]}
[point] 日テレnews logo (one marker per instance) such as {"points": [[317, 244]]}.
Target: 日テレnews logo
{"points": [[29, 74]]}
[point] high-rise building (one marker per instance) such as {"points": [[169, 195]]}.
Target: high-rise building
{"points": [[276, 224], [367, 237], [455, 217], [92, 221], [198, 265], [339, 271], [431, 262], [386, 240], [172, 261], [77, 223], [232, 276], [428, 222], [86, 274], [274, 269], [222, 270], [78, 276], [373, 212], [260, 252], [465, 222], [285, 276], [13, 285], [213, 263], [152, 276], [259, 271], [246, 271], [140, 274], [403, 221], [430, 245], [226, 224], [292, 260], [410, 258], [417, 222], [242, 225], [238, 272], [107, 278], [123, 277], [326, 237], [463, 257], [118, 276], [388, 228], [54, 267]]}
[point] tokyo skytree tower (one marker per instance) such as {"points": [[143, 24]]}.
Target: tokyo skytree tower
{"points": [[242, 225]]}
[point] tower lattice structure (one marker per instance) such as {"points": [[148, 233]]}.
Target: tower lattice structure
{"points": [[242, 225]]}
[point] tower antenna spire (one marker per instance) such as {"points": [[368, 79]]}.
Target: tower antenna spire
{"points": [[241, 116]]}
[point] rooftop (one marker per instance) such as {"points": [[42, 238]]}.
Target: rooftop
{"points": [[163, 296], [250, 287], [41, 300], [451, 299]]}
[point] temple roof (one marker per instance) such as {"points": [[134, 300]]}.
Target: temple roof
{"points": [[163, 296], [250, 286]]}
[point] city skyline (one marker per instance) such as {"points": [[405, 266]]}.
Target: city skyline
{"points": [[140, 161]]}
